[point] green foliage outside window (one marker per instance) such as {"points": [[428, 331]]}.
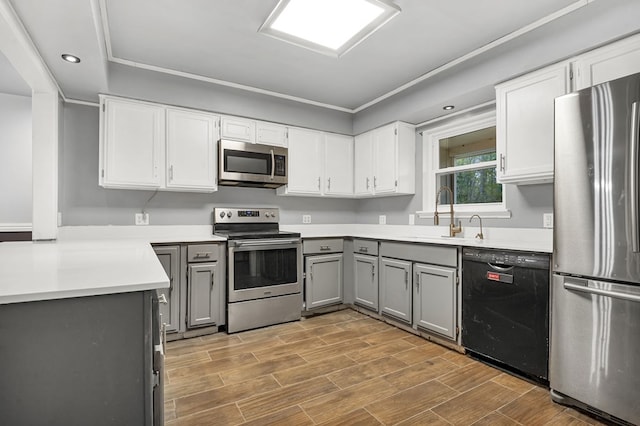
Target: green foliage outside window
{"points": [[476, 186]]}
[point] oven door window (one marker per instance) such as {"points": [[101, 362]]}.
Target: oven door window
{"points": [[264, 268], [247, 162]]}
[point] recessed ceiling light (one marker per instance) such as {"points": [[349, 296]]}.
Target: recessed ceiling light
{"points": [[70, 58], [332, 27], [448, 107]]}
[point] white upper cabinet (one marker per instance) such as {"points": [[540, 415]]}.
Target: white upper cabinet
{"points": [[191, 150], [607, 63], [320, 164], [247, 130], [363, 164], [305, 163], [132, 138], [151, 146], [525, 124], [271, 134], [238, 129], [385, 161], [338, 165]]}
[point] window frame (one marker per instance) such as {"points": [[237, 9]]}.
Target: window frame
{"points": [[431, 169]]}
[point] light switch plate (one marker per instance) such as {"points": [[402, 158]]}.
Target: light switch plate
{"points": [[306, 218], [142, 218], [382, 219], [547, 220]]}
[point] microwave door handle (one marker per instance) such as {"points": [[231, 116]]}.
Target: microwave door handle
{"points": [[633, 176], [273, 164]]}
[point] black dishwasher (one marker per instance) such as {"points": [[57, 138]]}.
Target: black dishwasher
{"points": [[505, 309]]}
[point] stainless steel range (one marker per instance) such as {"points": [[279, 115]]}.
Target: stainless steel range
{"points": [[264, 268]]}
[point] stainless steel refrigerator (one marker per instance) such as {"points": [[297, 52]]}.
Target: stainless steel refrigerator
{"points": [[595, 334]]}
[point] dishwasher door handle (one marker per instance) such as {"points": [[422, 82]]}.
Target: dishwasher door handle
{"points": [[500, 268], [584, 287]]}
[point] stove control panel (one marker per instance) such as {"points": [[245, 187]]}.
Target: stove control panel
{"points": [[245, 215]]}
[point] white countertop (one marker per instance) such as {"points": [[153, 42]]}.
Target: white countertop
{"points": [[523, 239], [94, 260], [31, 271]]}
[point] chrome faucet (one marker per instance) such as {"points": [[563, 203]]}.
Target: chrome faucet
{"points": [[453, 229], [479, 235]]}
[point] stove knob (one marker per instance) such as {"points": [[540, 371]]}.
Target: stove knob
{"points": [[267, 215], [221, 215], [229, 214]]}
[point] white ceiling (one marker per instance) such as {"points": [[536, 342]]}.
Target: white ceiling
{"points": [[218, 40]]}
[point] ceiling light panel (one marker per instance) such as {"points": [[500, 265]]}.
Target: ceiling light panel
{"points": [[332, 27]]}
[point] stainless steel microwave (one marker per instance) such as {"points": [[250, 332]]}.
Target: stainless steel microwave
{"points": [[255, 165]]}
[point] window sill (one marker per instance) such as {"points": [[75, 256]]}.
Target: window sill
{"points": [[485, 214]]}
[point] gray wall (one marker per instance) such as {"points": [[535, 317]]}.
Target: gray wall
{"points": [[15, 159], [83, 202], [527, 203], [152, 86], [471, 82]]}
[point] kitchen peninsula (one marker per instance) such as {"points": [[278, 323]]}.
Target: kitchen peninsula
{"points": [[80, 341]]}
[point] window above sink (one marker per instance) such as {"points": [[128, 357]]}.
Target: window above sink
{"points": [[461, 155]]}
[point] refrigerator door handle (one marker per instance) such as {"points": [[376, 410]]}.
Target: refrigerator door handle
{"points": [[633, 176], [601, 292]]}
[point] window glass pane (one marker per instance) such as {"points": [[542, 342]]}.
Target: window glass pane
{"points": [[472, 187], [468, 148]]}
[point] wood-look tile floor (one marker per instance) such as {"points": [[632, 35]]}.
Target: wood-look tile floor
{"points": [[344, 368]]}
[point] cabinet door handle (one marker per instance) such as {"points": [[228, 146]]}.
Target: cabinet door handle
{"points": [[162, 299], [367, 183], [329, 184], [373, 271], [170, 286], [406, 279], [213, 279], [171, 173], [417, 282], [318, 183], [311, 273], [375, 182], [502, 162]]}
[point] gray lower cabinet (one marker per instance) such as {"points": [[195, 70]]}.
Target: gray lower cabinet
{"points": [[323, 283], [204, 306], [365, 271], [395, 288], [169, 257], [434, 299], [80, 361]]}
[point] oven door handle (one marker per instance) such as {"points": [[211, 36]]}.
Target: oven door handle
{"points": [[262, 243]]}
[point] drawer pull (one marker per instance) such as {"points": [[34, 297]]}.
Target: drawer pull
{"points": [[202, 255], [364, 249], [325, 248]]}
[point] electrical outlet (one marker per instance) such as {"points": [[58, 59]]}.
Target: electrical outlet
{"points": [[412, 219], [382, 219], [547, 220], [306, 218], [142, 218]]}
